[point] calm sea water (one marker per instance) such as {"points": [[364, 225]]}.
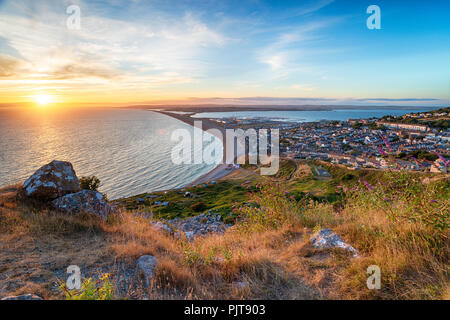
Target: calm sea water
{"points": [[129, 150], [310, 116]]}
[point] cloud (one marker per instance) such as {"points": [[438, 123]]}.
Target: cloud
{"points": [[284, 55], [119, 50], [250, 101], [313, 7], [8, 66], [275, 61], [400, 100]]}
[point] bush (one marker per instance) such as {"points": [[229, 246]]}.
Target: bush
{"points": [[404, 197], [90, 183], [199, 206], [267, 209], [101, 289], [348, 177]]}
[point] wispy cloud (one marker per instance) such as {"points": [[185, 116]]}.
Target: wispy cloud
{"points": [[285, 54], [313, 7], [400, 100], [140, 50], [105, 48]]}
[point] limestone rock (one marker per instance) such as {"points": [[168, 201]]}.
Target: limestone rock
{"points": [[241, 284], [161, 227], [190, 236], [146, 267], [23, 297], [84, 201], [326, 238], [51, 181]]}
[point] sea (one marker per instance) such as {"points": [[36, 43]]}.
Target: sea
{"points": [[129, 150]]}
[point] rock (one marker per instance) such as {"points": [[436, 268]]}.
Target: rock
{"points": [[146, 267], [161, 226], [51, 181], [189, 236], [199, 225], [326, 238], [84, 201], [23, 297], [177, 235], [191, 227], [241, 284]]}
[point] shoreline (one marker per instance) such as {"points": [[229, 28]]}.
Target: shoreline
{"points": [[196, 108], [221, 170]]}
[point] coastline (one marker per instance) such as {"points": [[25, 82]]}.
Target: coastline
{"points": [[233, 108], [221, 170]]}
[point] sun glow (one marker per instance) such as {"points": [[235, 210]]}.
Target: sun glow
{"points": [[43, 99]]}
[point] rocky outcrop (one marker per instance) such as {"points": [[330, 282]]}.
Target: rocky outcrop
{"points": [[200, 224], [23, 297], [241, 284], [326, 238], [84, 201], [159, 226], [191, 227], [51, 181], [189, 236], [146, 268]]}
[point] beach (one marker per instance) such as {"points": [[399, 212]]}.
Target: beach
{"points": [[221, 170]]}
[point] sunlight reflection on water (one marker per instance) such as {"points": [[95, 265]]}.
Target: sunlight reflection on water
{"points": [[129, 150]]}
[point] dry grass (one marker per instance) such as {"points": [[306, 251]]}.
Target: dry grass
{"points": [[209, 267], [37, 245], [413, 258]]}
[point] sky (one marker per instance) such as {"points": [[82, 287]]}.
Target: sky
{"points": [[225, 52]]}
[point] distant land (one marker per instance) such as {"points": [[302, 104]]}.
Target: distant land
{"points": [[229, 107]]}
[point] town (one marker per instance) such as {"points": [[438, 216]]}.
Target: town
{"points": [[414, 141]]}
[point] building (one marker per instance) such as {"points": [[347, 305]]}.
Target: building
{"points": [[405, 126]]}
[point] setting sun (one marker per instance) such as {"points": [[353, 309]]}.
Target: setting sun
{"points": [[43, 99]]}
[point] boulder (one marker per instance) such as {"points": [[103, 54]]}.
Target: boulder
{"points": [[161, 227], [23, 297], [241, 284], [51, 181], [84, 201], [146, 267], [326, 238], [189, 236]]}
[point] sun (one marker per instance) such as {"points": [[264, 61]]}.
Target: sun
{"points": [[43, 99]]}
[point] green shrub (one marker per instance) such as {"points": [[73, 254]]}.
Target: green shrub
{"points": [[90, 183], [192, 256], [101, 289], [267, 209], [198, 206]]}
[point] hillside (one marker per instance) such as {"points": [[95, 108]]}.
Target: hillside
{"points": [[260, 247]]}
